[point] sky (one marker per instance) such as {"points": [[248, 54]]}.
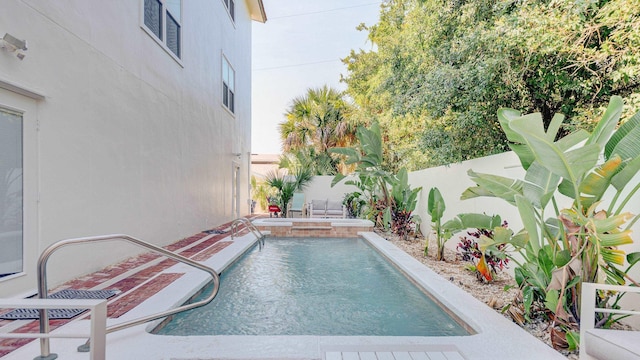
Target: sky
{"points": [[300, 47]]}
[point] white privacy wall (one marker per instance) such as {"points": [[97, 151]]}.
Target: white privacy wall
{"points": [[452, 180], [129, 140]]}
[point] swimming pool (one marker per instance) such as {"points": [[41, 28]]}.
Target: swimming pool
{"points": [[324, 287], [494, 337]]}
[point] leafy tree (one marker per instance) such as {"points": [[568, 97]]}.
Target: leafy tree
{"points": [[441, 69], [316, 123], [260, 190], [318, 164]]}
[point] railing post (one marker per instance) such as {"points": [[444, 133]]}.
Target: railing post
{"points": [[98, 323], [45, 350], [42, 284], [99, 332]]}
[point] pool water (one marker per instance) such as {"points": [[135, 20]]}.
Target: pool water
{"points": [[325, 287]]}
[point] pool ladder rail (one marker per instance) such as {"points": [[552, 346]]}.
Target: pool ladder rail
{"points": [[45, 353], [249, 225]]}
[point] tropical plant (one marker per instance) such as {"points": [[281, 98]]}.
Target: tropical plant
{"points": [[287, 185], [435, 209], [367, 156], [494, 256], [315, 123], [354, 203], [317, 163], [579, 243], [404, 203], [500, 236], [260, 191]]}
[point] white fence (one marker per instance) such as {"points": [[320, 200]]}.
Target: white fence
{"points": [[452, 180]]}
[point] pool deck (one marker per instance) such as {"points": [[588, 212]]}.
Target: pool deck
{"points": [[150, 284]]}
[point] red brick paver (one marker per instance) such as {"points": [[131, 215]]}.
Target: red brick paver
{"points": [[149, 281]]}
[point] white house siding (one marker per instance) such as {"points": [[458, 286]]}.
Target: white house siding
{"points": [[130, 140]]}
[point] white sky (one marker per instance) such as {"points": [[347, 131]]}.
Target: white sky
{"points": [[300, 47]]}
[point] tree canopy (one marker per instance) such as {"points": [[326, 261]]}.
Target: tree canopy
{"points": [[316, 123], [439, 71]]}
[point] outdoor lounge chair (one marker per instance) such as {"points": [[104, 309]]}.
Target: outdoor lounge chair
{"points": [[602, 344], [327, 209], [297, 204], [317, 208], [335, 209]]}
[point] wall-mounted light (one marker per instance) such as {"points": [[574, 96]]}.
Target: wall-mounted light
{"points": [[12, 44]]}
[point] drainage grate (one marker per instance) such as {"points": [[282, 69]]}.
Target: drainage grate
{"points": [[214, 231], [24, 314]]}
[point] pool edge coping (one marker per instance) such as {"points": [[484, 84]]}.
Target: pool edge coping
{"points": [[494, 332]]}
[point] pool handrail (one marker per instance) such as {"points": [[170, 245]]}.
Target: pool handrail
{"points": [[249, 225], [43, 291]]}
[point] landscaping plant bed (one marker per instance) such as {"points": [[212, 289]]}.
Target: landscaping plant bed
{"points": [[491, 293]]}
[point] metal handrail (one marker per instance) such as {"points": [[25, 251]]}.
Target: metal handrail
{"points": [[249, 225], [42, 284]]}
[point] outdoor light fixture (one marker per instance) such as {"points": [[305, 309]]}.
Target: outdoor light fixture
{"points": [[13, 44]]}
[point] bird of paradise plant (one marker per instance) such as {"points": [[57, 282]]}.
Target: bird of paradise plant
{"points": [[579, 243]]}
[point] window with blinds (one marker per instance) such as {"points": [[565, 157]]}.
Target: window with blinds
{"points": [[228, 85], [162, 19], [231, 8]]}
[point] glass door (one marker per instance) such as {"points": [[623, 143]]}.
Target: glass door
{"points": [[11, 193]]}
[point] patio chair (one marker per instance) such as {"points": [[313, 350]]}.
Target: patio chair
{"points": [[327, 209], [297, 204], [317, 208], [335, 209], [604, 344]]}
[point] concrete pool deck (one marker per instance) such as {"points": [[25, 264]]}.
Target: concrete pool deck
{"points": [[495, 336]]}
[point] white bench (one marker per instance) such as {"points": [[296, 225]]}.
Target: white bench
{"points": [[603, 344]]}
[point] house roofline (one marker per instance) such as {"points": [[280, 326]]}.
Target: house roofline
{"points": [[256, 8]]}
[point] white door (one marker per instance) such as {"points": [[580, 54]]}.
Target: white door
{"points": [[11, 192]]}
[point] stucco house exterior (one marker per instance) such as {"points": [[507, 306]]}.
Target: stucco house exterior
{"points": [[119, 116]]}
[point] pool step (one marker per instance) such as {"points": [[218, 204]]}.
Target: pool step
{"points": [[311, 228], [394, 352]]}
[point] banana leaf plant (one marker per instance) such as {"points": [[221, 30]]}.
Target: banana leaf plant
{"points": [[404, 203], [578, 243], [501, 235], [435, 209], [373, 179]]}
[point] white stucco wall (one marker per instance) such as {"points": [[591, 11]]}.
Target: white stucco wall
{"points": [[452, 180], [130, 140], [320, 189]]}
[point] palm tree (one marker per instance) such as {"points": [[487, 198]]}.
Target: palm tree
{"points": [[287, 185], [316, 123]]}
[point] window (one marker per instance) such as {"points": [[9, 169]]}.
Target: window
{"points": [[228, 85], [231, 8], [163, 19], [11, 204]]}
